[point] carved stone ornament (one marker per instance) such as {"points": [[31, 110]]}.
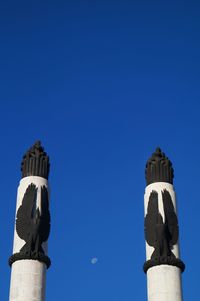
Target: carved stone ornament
{"points": [[33, 226], [159, 168], [35, 162], [162, 235]]}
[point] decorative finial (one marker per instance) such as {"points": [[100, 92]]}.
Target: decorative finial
{"points": [[159, 168], [35, 162]]}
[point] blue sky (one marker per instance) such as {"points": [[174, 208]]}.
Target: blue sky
{"points": [[102, 84]]}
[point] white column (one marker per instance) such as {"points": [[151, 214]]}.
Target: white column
{"points": [[28, 280], [163, 281], [28, 276]]}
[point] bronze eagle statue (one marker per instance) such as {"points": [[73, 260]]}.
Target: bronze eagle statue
{"points": [[32, 222], [162, 235]]}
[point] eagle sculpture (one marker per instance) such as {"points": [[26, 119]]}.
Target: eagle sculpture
{"points": [[32, 222], [162, 235]]}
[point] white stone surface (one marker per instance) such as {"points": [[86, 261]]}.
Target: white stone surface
{"points": [[28, 278], [164, 283]]}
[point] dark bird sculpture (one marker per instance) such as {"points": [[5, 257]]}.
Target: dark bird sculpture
{"points": [[32, 223], [161, 235]]}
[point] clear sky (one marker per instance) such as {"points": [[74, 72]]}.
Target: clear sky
{"points": [[102, 84]]}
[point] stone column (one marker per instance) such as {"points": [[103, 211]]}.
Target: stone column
{"points": [[163, 265], [29, 260]]}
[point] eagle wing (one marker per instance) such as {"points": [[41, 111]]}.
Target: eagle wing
{"points": [[45, 215], [152, 219], [25, 213], [170, 217]]}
